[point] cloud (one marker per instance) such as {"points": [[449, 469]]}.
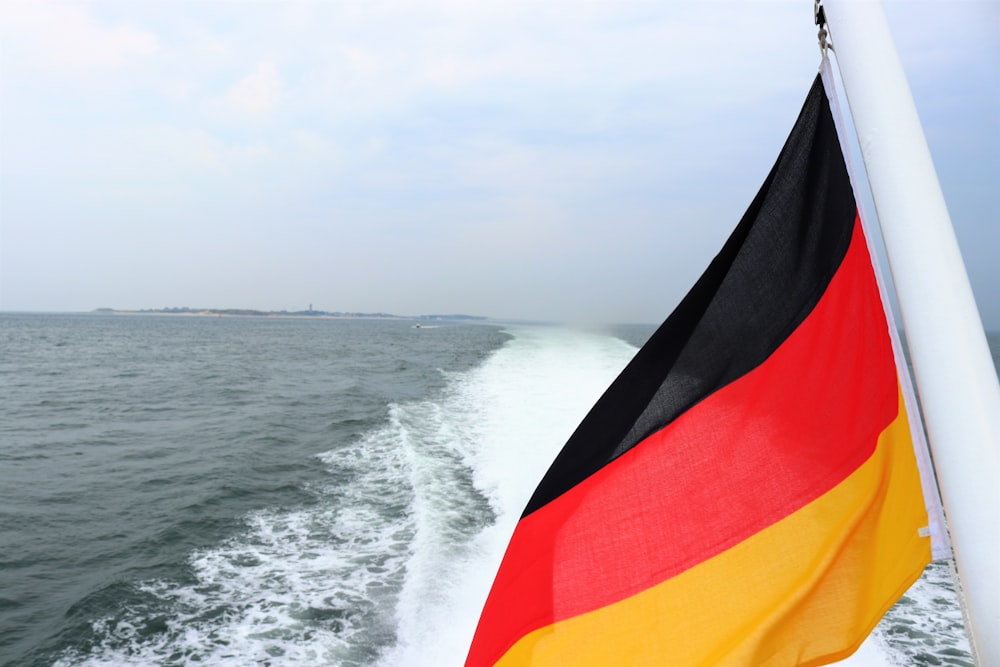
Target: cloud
{"points": [[257, 93], [67, 37]]}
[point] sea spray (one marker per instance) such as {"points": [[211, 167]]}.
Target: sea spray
{"points": [[311, 585]]}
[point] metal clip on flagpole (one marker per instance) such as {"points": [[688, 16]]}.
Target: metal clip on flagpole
{"points": [[956, 380], [819, 16]]}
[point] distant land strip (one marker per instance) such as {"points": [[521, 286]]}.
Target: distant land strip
{"points": [[244, 312]]}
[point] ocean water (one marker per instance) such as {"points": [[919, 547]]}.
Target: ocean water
{"points": [[265, 491]]}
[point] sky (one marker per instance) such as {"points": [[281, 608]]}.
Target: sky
{"points": [[535, 159]]}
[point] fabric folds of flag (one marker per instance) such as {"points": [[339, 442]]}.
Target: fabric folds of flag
{"points": [[746, 491]]}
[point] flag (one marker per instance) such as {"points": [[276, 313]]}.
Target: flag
{"points": [[746, 491]]}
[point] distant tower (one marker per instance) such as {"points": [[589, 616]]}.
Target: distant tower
{"points": [[310, 307]]}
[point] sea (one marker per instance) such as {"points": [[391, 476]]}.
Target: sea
{"points": [[183, 490]]}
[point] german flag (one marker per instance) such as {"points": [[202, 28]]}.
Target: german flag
{"points": [[746, 491]]}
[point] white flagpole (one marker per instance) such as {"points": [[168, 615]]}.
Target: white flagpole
{"points": [[956, 380]]}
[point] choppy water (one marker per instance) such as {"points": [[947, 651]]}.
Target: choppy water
{"points": [[181, 490]]}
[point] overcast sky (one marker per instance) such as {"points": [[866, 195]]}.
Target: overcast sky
{"points": [[516, 159]]}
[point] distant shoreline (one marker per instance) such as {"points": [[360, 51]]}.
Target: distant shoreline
{"points": [[318, 314]]}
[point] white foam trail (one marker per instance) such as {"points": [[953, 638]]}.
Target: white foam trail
{"points": [[872, 653], [506, 419]]}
